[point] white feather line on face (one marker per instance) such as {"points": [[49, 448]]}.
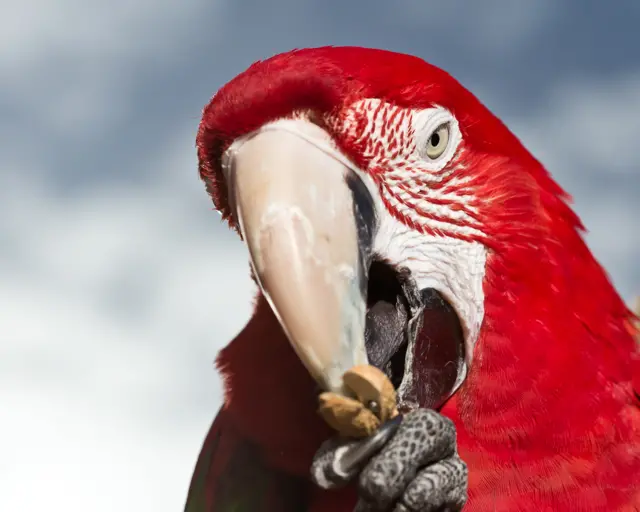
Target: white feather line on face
{"points": [[385, 125]]}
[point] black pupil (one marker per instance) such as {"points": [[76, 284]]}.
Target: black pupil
{"points": [[435, 140]]}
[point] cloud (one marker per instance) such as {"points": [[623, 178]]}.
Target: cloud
{"points": [[590, 123], [67, 68], [585, 135], [34, 32], [111, 296], [493, 26], [115, 303]]}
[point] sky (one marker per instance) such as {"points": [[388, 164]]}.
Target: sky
{"points": [[119, 283]]}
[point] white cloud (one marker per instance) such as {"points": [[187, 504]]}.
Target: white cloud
{"points": [[34, 31], [66, 66], [110, 300], [494, 26], [585, 135], [589, 123], [114, 306]]}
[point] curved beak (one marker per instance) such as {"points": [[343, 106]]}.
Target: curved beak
{"points": [[308, 221]]}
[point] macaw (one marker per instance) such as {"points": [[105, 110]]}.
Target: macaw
{"points": [[391, 218]]}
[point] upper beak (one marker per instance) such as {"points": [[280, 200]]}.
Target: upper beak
{"points": [[308, 221]]}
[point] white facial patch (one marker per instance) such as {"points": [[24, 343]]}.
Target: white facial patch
{"points": [[423, 187], [426, 191]]}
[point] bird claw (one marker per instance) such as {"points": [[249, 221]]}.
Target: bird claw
{"points": [[338, 461], [409, 465]]}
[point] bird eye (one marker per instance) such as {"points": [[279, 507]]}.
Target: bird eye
{"points": [[438, 141]]}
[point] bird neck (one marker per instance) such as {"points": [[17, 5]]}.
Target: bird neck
{"points": [[555, 343], [270, 395]]}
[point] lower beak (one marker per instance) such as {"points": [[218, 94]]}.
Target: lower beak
{"points": [[307, 219]]}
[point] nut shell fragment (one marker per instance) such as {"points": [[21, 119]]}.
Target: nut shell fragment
{"points": [[348, 416], [374, 402]]}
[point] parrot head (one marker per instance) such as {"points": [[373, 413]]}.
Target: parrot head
{"points": [[380, 202]]}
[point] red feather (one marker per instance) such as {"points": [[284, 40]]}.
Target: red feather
{"points": [[549, 415]]}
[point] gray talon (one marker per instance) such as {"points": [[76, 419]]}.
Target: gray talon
{"points": [[338, 461], [409, 465], [359, 453], [323, 469], [443, 484], [423, 437]]}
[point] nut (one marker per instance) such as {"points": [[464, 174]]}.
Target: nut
{"points": [[374, 402], [371, 385], [348, 416]]}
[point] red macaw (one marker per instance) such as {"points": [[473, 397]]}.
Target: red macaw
{"points": [[391, 218]]}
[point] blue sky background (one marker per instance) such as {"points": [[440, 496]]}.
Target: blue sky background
{"points": [[118, 283]]}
